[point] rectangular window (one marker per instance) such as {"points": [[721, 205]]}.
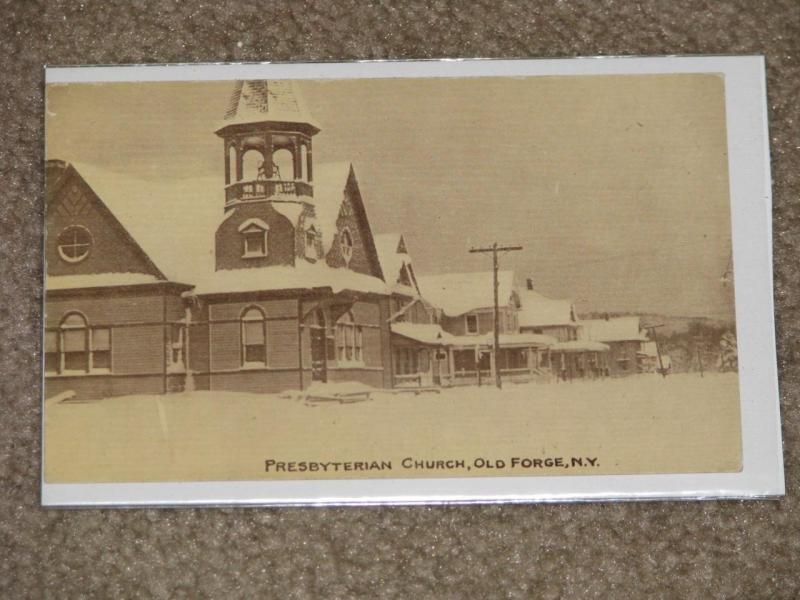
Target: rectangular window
{"points": [[349, 342], [255, 242], [51, 357], [76, 355], [359, 348], [101, 349], [176, 354], [472, 323], [255, 349]]}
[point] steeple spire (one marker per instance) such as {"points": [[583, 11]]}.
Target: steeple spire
{"points": [[259, 101]]}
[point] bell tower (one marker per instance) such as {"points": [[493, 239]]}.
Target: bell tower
{"points": [[267, 135], [269, 181]]}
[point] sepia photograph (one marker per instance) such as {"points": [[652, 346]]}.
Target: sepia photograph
{"points": [[262, 279]]}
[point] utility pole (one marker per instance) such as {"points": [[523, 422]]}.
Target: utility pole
{"points": [[494, 249], [652, 329]]}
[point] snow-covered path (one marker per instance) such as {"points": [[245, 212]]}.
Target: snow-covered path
{"points": [[640, 424]]}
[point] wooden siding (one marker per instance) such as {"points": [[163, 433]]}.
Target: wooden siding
{"points": [[92, 387], [282, 333], [108, 308], [458, 325]]}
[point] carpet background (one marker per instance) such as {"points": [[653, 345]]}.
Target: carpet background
{"points": [[613, 550]]}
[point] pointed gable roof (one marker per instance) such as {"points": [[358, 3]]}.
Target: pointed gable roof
{"points": [[58, 174], [174, 221], [459, 293], [394, 259], [257, 101], [540, 311]]}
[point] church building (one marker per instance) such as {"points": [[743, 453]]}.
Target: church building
{"points": [[263, 278]]}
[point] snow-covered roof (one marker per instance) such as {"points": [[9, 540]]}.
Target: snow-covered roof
{"points": [[175, 220], [614, 329], [539, 311], [579, 346], [393, 258], [302, 276], [459, 293], [423, 332], [95, 280], [256, 101], [330, 180]]}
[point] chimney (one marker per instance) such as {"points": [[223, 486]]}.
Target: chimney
{"points": [[529, 281]]}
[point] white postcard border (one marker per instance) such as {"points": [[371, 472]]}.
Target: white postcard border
{"points": [[751, 206]]}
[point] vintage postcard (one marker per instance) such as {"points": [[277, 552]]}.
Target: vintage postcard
{"points": [[434, 281]]}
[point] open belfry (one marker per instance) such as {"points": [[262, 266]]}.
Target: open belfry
{"points": [[266, 276]]}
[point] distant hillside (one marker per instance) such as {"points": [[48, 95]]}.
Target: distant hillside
{"points": [[682, 338]]}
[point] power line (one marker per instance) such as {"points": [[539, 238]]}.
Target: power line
{"points": [[494, 249]]}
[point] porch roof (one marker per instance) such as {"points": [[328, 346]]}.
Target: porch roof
{"points": [[423, 332], [579, 346]]}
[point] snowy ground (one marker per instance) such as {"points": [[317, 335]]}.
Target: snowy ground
{"points": [[640, 424]]}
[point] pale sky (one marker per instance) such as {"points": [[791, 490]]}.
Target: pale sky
{"points": [[616, 187]]}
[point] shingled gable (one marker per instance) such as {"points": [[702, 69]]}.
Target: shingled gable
{"points": [[329, 197], [395, 260], [61, 177]]}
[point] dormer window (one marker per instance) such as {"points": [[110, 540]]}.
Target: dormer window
{"points": [[471, 324], [346, 244], [254, 238]]}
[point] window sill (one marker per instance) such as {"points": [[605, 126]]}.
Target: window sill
{"points": [[253, 366], [254, 256]]}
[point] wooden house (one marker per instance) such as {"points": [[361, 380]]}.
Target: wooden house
{"points": [[569, 357], [418, 342], [466, 301], [624, 338]]}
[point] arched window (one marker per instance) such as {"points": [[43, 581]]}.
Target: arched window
{"points": [[346, 245], [77, 348], [283, 162], [254, 337], [74, 343], [74, 244], [252, 162], [349, 340]]}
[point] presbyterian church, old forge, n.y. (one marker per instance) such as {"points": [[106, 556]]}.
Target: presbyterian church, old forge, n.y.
{"points": [[267, 277]]}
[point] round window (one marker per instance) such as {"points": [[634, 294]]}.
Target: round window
{"points": [[74, 243]]}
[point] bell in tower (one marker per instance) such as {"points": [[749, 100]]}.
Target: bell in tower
{"points": [[267, 135]]}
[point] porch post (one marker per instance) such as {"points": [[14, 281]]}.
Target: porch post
{"points": [[451, 366], [530, 360]]}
